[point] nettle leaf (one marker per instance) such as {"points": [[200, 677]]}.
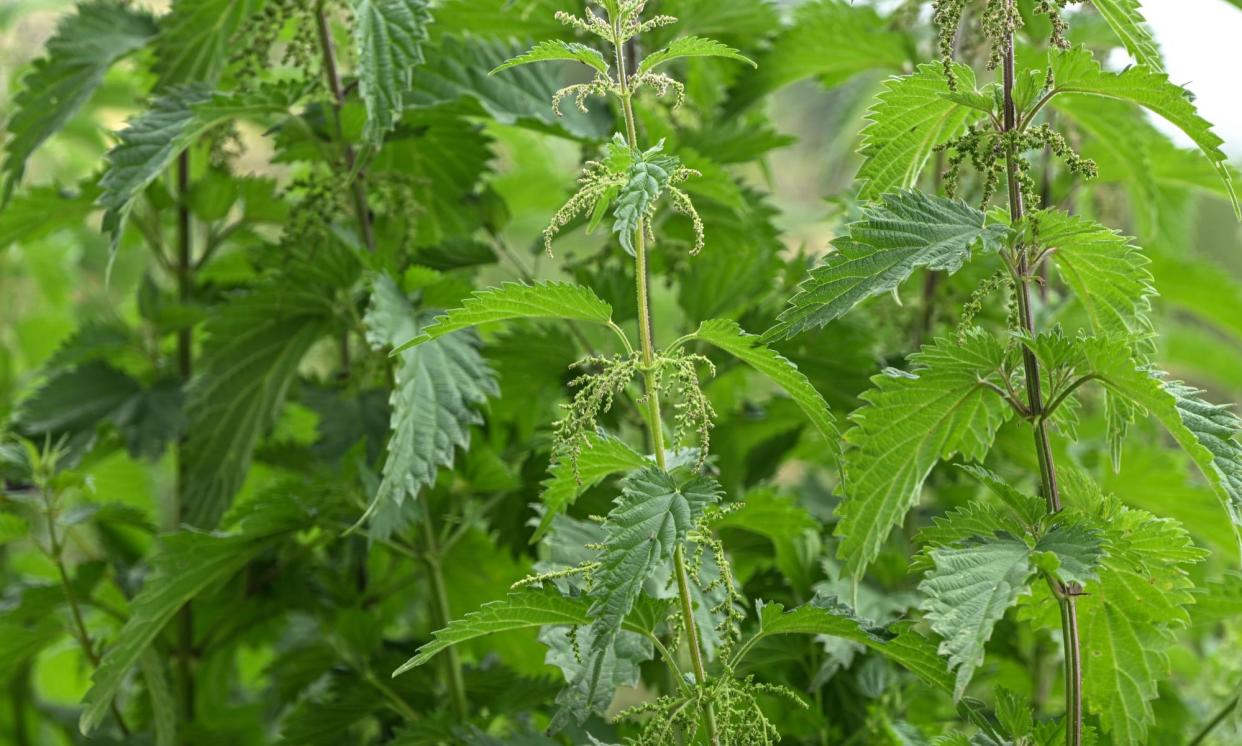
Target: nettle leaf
{"points": [[1107, 272], [1078, 73], [543, 300], [254, 344], [649, 521], [691, 46], [825, 615], [184, 564], [537, 607], [41, 211], [912, 115], [793, 531], [85, 45], [388, 39], [972, 585], [903, 232], [592, 682], [1127, 22], [728, 336], [910, 422], [602, 457], [831, 40], [438, 390], [558, 51], [196, 39], [151, 141], [648, 177]]}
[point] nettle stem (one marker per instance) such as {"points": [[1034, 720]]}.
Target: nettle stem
{"points": [[654, 422], [185, 370], [1043, 447], [443, 614]]}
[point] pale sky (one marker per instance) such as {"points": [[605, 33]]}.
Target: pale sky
{"points": [[1201, 41]]}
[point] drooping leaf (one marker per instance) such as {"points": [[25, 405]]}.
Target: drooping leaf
{"points": [[691, 46], [1078, 73], [253, 347], [196, 39], [1127, 22], [731, 338], [912, 421], [558, 51], [649, 175], [592, 681], [604, 456], [903, 232], [186, 563], [438, 390], [388, 40], [86, 44], [912, 115], [536, 607], [1108, 274], [544, 300], [151, 141], [831, 40]]}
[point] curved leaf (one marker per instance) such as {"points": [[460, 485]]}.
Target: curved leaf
{"points": [[558, 51], [691, 46]]}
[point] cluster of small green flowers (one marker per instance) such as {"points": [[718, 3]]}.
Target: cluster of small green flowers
{"points": [[262, 32], [682, 204], [600, 86], [989, 151], [1002, 279], [320, 200], [661, 84], [224, 144], [677, 375], [1052, 9], [395, 194], [598, 182], [731, 607], [594, 396], [999, 21], [630, 22]]}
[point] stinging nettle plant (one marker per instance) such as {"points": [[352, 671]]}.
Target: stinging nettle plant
{"points": [[1112, 580]]}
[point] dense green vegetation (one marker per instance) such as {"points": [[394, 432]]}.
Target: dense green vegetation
{"points": [[669, 372]]}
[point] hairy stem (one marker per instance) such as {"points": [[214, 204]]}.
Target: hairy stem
{"points": [[443, 615], [185, 369], [1215, 721], [1043, 446], [654, 422]]}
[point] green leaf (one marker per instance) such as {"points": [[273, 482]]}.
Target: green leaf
{"points": [[910, 422], [184, 564], [12, 528], [388, 39], [793, 531], [41, 211], [197, 37], [77, 399], [1028, 508], [649, 521], [254, 345], [544, 300], [1078, 73], [592, 682], [153, 139], [905, 231], [1107, 273], [646, 182], [603, 457], [85, 45], [691, 46], [748, 348], [537, 607], [163, 701], [558, 51], [968, 592], [831, 40], [912, 115], [1127, 22], [438, 390]]}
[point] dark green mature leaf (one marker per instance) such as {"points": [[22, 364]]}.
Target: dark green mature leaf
{"points": [[912, 421], [44, 210], [731, 338], [1078, 73], [85, 45], [184, 565], [792, 530], [151, 141], [1127, 22], [831, 40], [592, 681], [196, 39], [163, 701], [691, 46], [905, 231], [544, 300], [558, 51], [388, 39], [602, 457], [77, 399], [253, 348], [912, 115], [438, 390]]}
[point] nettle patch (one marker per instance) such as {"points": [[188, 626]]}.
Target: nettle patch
{"points": [[438, 373]]}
